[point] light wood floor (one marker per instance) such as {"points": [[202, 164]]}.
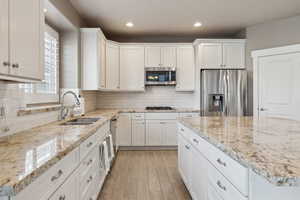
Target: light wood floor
{"points": [[145, 175]]}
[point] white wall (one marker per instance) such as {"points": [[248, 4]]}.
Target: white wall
{"points": [[268, 35]]}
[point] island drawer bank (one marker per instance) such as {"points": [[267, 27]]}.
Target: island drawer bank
{"points": [[239, 158]]}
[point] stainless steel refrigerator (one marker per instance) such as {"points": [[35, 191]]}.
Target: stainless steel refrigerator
{"points": [[223, 92]]}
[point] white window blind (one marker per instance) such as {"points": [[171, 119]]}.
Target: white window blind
{"points": [[49, 85], [48, 90]]}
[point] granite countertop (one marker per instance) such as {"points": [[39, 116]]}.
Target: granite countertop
{"points": [[18, 166], [270, 147]]}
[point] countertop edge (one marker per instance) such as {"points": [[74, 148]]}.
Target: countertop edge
{"points": [[275, 180]]}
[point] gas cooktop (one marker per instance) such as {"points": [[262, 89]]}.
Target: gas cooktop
{"points": [[159, 108]]}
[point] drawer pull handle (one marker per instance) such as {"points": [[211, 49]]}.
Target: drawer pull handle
{"points": [[90, 179], [221, 162], [182, 129], [89, 162], [196, 141], [89, 144], [62, 197], [221, 186], [59, 173], [187, 147]]}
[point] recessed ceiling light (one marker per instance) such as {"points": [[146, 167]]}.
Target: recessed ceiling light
{"points": [[197, 24], [129, 24], [45, 10]]}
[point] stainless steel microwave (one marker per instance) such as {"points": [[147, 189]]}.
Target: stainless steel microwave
{"points": [[160, 76]]}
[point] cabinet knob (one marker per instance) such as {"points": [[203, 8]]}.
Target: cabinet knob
{"points": [[6, 64], [62, 197], [15, 65]]}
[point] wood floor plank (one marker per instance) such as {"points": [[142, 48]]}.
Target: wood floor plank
{"points": [[144, 175]]}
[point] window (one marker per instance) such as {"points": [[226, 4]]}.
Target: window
{"points": [[48, 90]]}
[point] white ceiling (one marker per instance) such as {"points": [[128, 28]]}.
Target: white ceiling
{"points": [[176, 17]]}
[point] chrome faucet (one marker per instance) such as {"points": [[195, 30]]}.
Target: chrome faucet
{"points": [[64, 110]]}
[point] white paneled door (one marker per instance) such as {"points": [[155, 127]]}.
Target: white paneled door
{"points": [[26, 34], [185, 69], [279, 86], [168, 57], [4, 59], [132, 60], [211, 55], [112, 66], [234, 55], [152, 56]]}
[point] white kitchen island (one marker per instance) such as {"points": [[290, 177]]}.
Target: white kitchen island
{"points": [[240, 158]]}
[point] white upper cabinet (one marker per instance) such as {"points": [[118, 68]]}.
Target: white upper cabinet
{"points": [[102, 62], [92, 56], [168, 57], [216, 54], [234, 55], [153, 56], [112, 66], [211, 55], [185, 69], [26, 36], [22, 40], [160, 56], [132, 61], [4, 59]]}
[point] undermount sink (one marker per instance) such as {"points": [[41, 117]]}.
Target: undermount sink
{"points": [[81, 121]]}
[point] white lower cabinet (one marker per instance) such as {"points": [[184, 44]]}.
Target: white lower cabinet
{"points": [[138, 132], [69, 190], [124, 129], [161, 133], [212, 194], [184, 160]]}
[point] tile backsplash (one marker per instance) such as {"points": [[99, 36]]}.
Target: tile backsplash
{"points": [[13, 98]]}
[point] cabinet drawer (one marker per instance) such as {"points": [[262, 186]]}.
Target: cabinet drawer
{"points": [[48, 182], [222, 186], [231, 169], [212, 193], [161, 116], [88, 163], [87, 146], [199, 143], [137, 116], [189, 115], [185, 132]]}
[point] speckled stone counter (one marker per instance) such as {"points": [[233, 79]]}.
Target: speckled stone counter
{"points": [[270, 147], [18, 166]]}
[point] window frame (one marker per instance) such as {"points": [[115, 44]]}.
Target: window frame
{"points": [[34, 97]]}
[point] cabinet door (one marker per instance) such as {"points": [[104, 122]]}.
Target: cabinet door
{"points": [[102, 63], [185, 69], [234, 55], [211, 55], [124, 130], [199, 178], [4, 59], [152, 56], [26, 46], [138, 133], [184, 160], [170, 133], [132, 61], [112, 66], [154, 131], [168, 56], [69, 190]]}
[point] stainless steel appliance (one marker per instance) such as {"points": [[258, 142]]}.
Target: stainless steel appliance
{"points": [[223, 92], [160, 76]]}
